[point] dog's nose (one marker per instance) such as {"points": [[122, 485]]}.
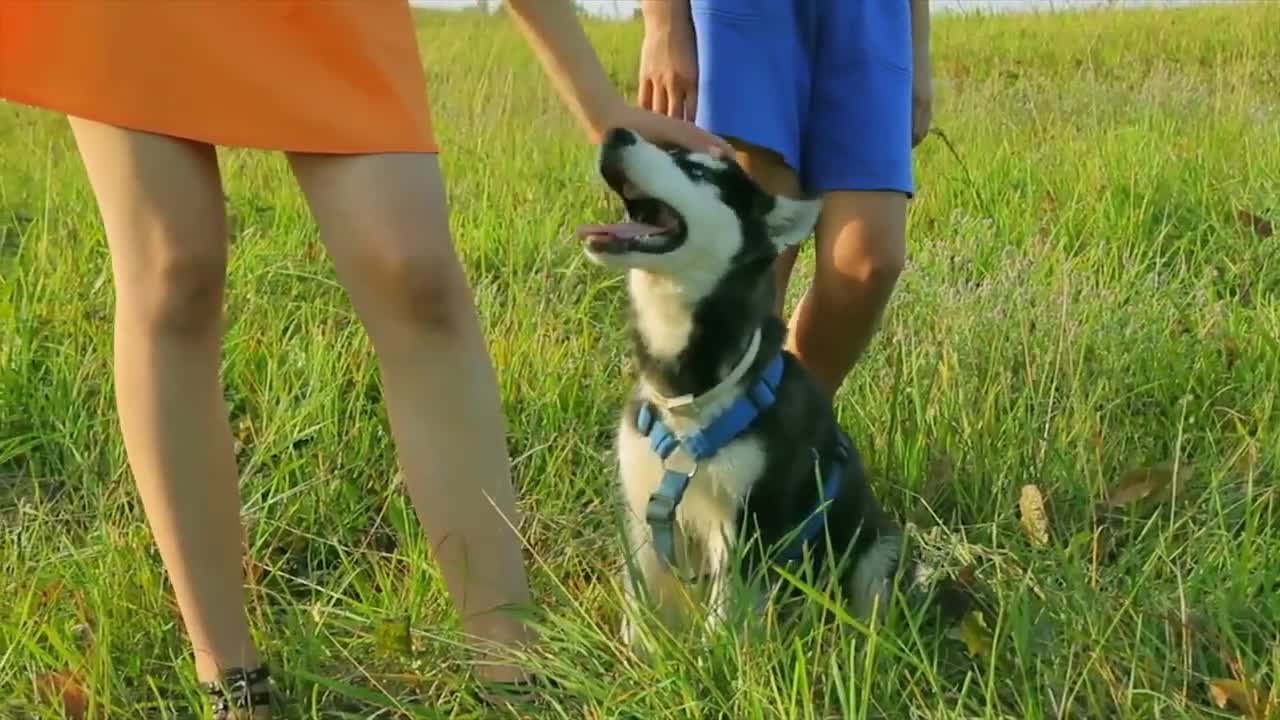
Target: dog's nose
{"points": [[618, 138]]}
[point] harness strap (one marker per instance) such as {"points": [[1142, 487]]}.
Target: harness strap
{"points": [[706, 442], [699, 445], [843, 453], [661, 511]]}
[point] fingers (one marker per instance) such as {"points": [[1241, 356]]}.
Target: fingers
{"points": [[675, 103], [695, 138], [668, 96], [684, 100], [663, 129], [664, 99], [674, 98]]}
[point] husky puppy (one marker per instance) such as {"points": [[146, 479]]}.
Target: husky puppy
{"points": [[729, 455]]}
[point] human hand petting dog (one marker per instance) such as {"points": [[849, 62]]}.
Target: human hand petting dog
{"points": [[669, 66], [557, 38], [663, 130]]}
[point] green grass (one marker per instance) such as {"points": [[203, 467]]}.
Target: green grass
{"points": [[1081, 298]]}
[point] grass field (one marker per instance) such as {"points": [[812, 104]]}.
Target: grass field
{"points": [[1093, 289]]}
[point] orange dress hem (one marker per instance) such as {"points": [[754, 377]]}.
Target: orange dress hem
{"points": [[314, 76]]}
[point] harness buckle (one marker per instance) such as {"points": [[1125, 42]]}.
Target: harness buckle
{"points": [[681, 461], [661, 510]]}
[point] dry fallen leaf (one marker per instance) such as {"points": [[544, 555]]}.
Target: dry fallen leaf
{"points": [[1096, 543], [1142, 482], [64, 687], [1232, 694], [1101, 546], [83, 635], [973, 632], [1034, 519], [50, 592]]}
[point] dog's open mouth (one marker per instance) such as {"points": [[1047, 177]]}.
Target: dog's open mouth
{"points": [[652, 225]]}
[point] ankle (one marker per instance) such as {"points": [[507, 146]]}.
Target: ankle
{"points": [[497, 640], [240, 694], [260, 713]]}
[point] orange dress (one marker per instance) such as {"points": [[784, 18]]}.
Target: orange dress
{"points": [[324, 76]]}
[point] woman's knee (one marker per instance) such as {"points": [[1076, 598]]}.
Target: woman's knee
{"points": [[862, 236], [385, 221], [176, 292], [420, 289], [160, 200]]}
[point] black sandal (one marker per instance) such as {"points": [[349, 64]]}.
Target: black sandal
{"points": [[235, 691], [496, 693]]}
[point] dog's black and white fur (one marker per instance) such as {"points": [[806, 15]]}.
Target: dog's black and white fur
{"points": [[701, 285]]}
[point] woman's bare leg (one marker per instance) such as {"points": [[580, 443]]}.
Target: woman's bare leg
{"points": [[161, 205], [386, 224]]}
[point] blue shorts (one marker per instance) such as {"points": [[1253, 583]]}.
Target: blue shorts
{"points": [[824, 83]]}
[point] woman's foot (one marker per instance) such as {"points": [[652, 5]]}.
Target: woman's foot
{"points": [[241, 695], [526, 690]]}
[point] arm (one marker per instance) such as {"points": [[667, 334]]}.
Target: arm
{"points": [[919, 30], [557, 38], [668, 59], [922, 73], [666, 15]]}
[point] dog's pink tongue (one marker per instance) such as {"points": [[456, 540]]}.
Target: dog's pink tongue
{"points": [[622, 231]]}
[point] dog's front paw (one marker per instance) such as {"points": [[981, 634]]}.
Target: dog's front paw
{"points": [[628, 631], [633, 639]]}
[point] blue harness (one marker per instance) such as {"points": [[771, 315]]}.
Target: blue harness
{"points": [[704, 443]]}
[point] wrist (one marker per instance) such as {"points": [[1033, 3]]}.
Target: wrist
{"points": [[665, 16], [603, 117]]}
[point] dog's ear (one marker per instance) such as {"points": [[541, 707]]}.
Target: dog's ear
{"points": [[790, 220]]}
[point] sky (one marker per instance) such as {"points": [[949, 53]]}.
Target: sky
{"points": [[624, 8]]}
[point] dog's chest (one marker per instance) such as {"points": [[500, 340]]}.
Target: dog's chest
{"points": [[715, 493]]}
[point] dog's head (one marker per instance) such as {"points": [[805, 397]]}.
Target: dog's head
{"points": [[692, 217]]}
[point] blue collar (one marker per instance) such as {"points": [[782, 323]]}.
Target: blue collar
{"points": [[704, 443]]}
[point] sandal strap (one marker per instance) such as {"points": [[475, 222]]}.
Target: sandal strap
{"points": [[234, 691], [502, 692]]}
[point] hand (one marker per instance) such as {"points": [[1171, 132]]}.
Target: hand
{"points": [[669, 69], [661, 129], [921, 101]]}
